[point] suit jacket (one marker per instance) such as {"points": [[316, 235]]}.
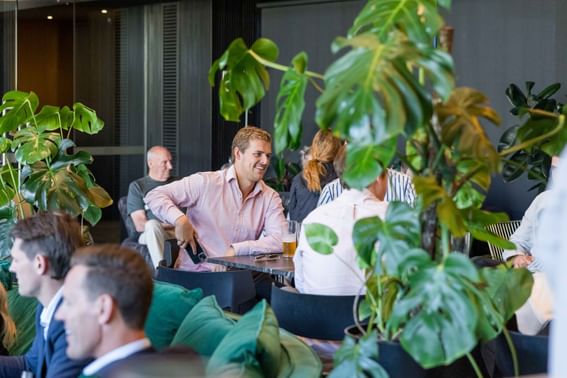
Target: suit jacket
{"points": [[46, 358], [114, 369]]}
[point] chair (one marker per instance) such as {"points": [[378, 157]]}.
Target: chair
{"points": [[532, 352], [504, 230], [314, 316], [171, 249], [234, 290]]}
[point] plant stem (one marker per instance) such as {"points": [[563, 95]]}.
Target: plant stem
{"points": [[512, 351], [445, 241], [281, 67], [535, 140], [17, 189], [474, 365]]}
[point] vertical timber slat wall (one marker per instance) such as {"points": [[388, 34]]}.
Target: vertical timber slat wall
{"points": [[195, 140], [170, 83], [231, 19]]}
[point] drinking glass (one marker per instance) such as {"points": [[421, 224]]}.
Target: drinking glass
{"points": [[290, 235]]}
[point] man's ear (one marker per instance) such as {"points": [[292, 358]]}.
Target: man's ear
{"points": [[105, 308], [41, 264], [236, 153]]}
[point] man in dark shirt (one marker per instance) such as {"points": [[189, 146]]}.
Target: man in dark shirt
{"points": [[153, 232]]}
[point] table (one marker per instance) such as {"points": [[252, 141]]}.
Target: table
{"points": [[280, 267]]}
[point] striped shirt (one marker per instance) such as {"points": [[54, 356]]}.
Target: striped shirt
{"points": [[400, 188]]}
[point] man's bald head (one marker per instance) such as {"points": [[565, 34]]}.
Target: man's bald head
{"points": [[159, 163]]}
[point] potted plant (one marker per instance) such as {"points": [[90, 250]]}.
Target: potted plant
{"points": [[393, 87], [532, 159], [39, 169]]}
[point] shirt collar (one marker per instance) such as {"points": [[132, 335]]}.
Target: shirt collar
{"points": [[359, 196], [47, 313], [115, 355], [231, 175]]}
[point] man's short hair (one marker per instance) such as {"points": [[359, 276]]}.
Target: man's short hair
{"points": [[121, 273], [55, 236], [245, 135]]}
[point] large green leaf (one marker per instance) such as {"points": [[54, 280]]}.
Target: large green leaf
{"points": [[364, 236], [358, 359], [365, 163], [49, 118], [371, 94], [461, 127], [438, 314], [86, 120], [19, 107], [398, 234], [477, 220], [447, 211], [502, 281], [418, 18], [31, 145], [321, 238], [290, 104], [244, 80]]}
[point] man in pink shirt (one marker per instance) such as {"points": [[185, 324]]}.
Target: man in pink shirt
{"points": [[229, 212]]}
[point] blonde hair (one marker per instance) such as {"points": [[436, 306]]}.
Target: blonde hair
{"points": [[8, 334], [324, 148], [245, 135]]}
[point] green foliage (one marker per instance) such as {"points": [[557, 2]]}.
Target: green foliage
{"points": [[284, 172], [244, 79], [48, 178], [542, 121], [358, 359], [391, 96]]}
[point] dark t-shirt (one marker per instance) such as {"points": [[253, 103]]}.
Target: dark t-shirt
{"points": [[302, 201], [138, 190]]}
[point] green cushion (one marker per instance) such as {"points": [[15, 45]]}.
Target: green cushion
{"points": [[298, 359], [254, 343], [170, 304], [22, 310], [204, 327]]}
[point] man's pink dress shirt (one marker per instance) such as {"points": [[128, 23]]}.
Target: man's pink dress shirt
{"points": [[220, 216]]}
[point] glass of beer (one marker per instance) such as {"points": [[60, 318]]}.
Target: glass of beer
{"points": [[290, 235]]}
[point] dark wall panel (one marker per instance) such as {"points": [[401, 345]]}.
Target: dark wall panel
{"points": [[509, 41], [195, 133]]}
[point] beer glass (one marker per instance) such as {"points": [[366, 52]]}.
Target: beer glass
{"points": [[290, 235]]}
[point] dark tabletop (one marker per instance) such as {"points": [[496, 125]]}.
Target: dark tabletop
{"points": [[280, 266]]}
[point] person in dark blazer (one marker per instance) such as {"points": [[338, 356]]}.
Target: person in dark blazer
{"points": [[41, 254], [107, 296]]}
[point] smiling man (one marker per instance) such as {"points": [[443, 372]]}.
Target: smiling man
{"points": [[43, 246], [229, 212]]}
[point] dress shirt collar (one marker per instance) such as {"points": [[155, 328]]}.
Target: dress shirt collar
{"points": [[48, 312], [231, 175], [115, 355]]}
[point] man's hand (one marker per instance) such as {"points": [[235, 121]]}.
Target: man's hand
{"points": [[167, 226], [184, 233], [522, 261]]}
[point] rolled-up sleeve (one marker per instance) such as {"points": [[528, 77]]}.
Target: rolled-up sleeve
{"points": [[271, 239], [166, 200]]}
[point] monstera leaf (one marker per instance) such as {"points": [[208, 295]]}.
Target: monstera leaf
{"points": [[397, 234], [85, 119], [371, 94], [461, 127], [321, 238], [244, 80], [32, 145], [447, 211], [20, 107], [358, 359], [290, 104], [364, 163], [438, 317], [420, 20]]}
